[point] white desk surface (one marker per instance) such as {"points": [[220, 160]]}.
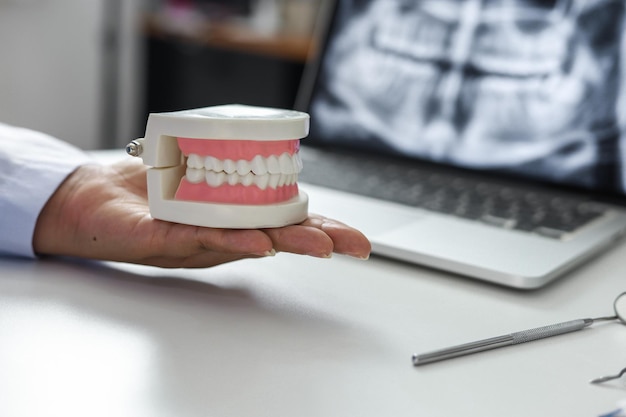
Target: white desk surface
{"points": [[298, 336]]}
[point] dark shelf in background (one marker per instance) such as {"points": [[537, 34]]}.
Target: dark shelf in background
{"points": [[219, 66]]}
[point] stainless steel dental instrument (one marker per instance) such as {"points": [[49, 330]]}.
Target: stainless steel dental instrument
{"points": [[619, 307], [608, 377]]}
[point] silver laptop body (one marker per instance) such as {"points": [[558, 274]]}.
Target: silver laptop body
{"points": [[499, 98]]}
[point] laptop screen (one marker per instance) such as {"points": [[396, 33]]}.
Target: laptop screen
{"points": [[526, 87]]}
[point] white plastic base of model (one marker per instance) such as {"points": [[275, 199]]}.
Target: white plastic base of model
{"points": [[162, 185]]}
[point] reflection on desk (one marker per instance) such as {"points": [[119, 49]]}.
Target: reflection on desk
{"points": [[296, 336]]}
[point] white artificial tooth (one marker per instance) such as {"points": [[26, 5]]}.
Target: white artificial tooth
{"points": [[273, 166], [195, 161], [194, 175], [233, 179], [248, 179], [274, 179], [297, 162], [282, 180], [262, 181], [229, 166], [243, 167], [286, 165], [293, 178], [258, 165], [212, 163], [215, 179]]}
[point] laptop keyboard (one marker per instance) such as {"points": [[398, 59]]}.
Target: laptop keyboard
{"points": [[500, 205]]}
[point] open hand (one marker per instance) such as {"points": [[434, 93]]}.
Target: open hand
{"points": [[101, 212]]}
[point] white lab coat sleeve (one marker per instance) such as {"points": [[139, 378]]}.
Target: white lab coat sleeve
{"points": [[32, 166]]}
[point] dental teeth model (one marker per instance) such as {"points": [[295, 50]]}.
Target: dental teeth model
{"points": [[230, 166]]}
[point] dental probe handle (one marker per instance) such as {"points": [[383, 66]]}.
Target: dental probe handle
{"points": [[501, 341]]}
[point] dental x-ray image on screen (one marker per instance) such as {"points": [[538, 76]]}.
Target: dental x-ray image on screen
{"points": [[481, 137], [529, 87]]}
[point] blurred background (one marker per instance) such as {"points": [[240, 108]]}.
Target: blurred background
{"points": [[90, 71]]}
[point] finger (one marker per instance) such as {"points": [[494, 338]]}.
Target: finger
{"points": [[232, 241], [201, 260], [346, 240], [301, 239], [182, 241]]}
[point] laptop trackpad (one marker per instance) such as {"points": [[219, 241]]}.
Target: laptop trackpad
{"points": [[360, 212]]}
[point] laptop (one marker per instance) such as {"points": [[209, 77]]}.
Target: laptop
{"points": [[476, 137]]}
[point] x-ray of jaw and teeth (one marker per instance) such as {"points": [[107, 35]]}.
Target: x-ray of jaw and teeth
{"points": [[530, 86]]}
